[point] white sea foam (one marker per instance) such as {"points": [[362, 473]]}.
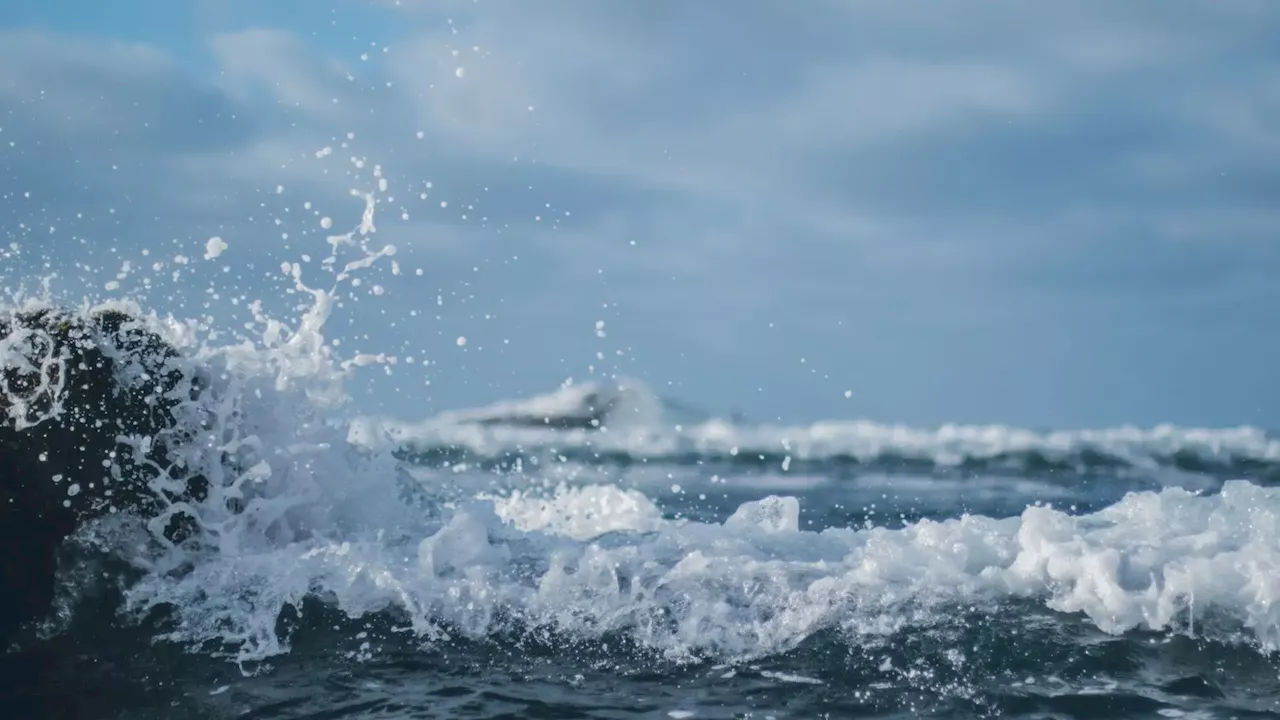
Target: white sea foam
{"points": [[270, 432], [639, 426], [297, 509], [582, 513], [590, 561], [214, 248]]}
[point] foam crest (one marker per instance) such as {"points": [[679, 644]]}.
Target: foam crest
{"points": [[581, 513], [544, 424], [596, 561], [1158, 561]]}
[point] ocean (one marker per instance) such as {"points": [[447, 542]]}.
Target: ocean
{"points": [[601, 551]]}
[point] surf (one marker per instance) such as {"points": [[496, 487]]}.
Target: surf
{"points": [[311, 507]]}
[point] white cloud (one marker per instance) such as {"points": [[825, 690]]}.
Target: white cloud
{"points": [[292, 73], [915, 173]]}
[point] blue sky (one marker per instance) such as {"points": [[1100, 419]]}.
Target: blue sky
{"points": [[1045, 214]]}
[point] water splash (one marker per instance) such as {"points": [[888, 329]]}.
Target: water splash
{"points": [[302, 503]]}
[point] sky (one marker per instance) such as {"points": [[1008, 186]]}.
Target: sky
{"points": [[1059, 214]]}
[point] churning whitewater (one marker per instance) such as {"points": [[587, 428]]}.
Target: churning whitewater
{"points": [[605, 519]]}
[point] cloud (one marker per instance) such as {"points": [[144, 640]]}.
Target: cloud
{"points": [[259, 59], [1000, 212], [964, 121]]}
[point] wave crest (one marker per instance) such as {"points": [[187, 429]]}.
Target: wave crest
{"points": [[600, 423]]}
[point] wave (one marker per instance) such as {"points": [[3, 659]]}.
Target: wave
{"points": [[588, 563], [624, 423], [305, 503]]}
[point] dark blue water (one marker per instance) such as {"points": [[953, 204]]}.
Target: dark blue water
{"points": [[970, 649]]}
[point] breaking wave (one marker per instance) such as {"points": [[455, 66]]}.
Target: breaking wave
{"points": [[624, 423], [310, 504], [596, 561]]}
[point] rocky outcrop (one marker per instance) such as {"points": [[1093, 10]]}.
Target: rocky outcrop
{"points": [[86, 423]]}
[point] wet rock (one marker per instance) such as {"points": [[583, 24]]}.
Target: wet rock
{"points": [[87, 419]]}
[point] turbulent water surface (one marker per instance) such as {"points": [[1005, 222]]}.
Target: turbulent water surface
{"points": [[600, 551], [583, 555]]}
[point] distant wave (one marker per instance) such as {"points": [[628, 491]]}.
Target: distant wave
{"points": [[625, 423]]}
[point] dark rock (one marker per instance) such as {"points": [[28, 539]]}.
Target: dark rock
{"points": [[72, 387]]}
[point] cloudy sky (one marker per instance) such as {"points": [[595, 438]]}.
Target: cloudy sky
{"points": [[1046, 214]]}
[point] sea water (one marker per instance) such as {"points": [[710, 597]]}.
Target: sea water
{"points": [[599, 551]]}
